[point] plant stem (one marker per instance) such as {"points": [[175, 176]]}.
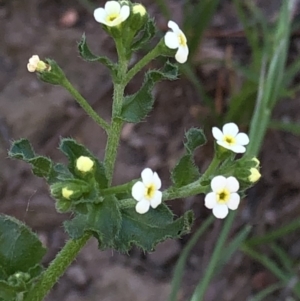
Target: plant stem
{"points": [[117, 123], [85, 105], [56, 268], [156, 51]]}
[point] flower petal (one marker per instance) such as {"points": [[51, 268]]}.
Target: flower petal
{"points": [[230, 129], [138, 191], [125, 11], [171, 40], [224, 144], [147, 176], [174, 27], [217, 133], [156, 200], [239, 149], [210, 200], [217, 183], [112, 7], [242, 139], [99, 15], [156, 180], [220, 211], [232, 184], [234, 201], [182, 54], [142, 206]]}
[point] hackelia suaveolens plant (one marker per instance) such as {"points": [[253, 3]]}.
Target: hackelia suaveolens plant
{"points": [[146, 192], [176, 39], [113, 14], [230, 137], [224, 196]]}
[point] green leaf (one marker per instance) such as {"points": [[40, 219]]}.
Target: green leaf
{"points": [[20, 248], [147, 230], [73, 151], [137, 106], [195, 138], [147, 33], [103, 220], [7, 292], [88, 56], [185, 171], [41, 166]]}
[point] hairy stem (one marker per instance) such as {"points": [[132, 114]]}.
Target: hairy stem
{"points": [[85, 105], [56, 268]]}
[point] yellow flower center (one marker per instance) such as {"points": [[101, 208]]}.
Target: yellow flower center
{"points": [[112, 17], [223, 196], [149, 191], [230, 140], [182, 39]]}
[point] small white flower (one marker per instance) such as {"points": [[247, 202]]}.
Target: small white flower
{"points": [[223, 196], [112, 14], [230, 138], [147, 193], [176, 39], [35, 64]]}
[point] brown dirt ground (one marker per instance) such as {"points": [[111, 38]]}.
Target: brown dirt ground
{"points": [[43, 113]]}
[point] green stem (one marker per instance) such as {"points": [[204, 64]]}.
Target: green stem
{"points": [[155, 52], [118, 189], [117, 123], [85, 105], [56, 268], [215, 258]]}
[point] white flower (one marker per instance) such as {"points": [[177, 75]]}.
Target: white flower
{"points": [[35, 64], [230, 138], [176, 39], [147, 193], [112, 14], [223, 196]]}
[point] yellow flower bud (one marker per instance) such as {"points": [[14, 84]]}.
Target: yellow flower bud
{"points": [[84, 164], [255, 175], [66, 193], [139, 9]]}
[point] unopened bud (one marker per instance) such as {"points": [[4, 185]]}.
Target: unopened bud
{"points": [[84, 164]]}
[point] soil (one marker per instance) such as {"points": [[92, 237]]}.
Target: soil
{"points": [[44, 113]]}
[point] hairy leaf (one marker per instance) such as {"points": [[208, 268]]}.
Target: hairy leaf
{"points": [[185, 171], [20, 248], [147, 230], [103, 220], [137, 106]]}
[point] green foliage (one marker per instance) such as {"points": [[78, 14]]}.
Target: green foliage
{"points": [[194, 138], [41, 166], [103, 220], [146, 231], [88, 56], [185, 170], [73, 151], [137, 106], [20, 255], [54, 75], [147, 33], [20, 248]]}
